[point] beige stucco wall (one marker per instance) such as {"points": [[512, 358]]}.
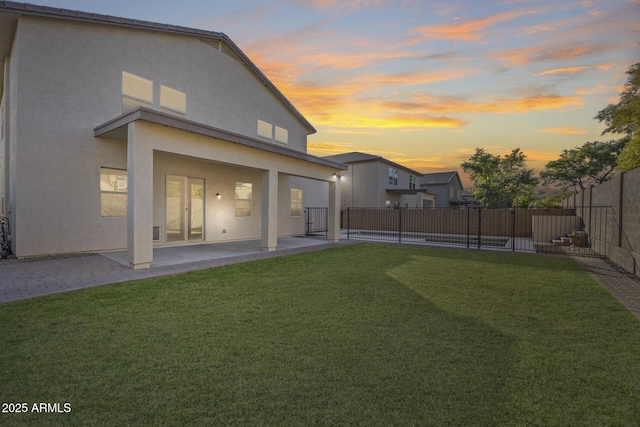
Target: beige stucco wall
{"points": [[221, 224], [65, 79]]}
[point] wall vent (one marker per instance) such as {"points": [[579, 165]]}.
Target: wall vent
{"points": [[229, 51], [221, 46], [213, 43]]}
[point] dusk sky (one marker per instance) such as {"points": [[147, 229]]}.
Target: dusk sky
{"points": [[423, 83]]}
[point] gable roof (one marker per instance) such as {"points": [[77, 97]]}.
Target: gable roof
{"points": [[439, 178], [12, 10], [357, 157]]}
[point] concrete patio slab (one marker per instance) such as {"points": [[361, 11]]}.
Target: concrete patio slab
{"points": [[174, 255], [21, 279]]}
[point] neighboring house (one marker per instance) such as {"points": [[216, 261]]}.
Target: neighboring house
{"points": [[125, 134], [373, 181], [447, 187], [470, 199]]}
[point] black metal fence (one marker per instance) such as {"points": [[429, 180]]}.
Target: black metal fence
{"points": [[576, 231], [316, 221]]}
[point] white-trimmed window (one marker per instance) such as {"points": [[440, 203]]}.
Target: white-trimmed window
{"points": [[136, 91], [412, 182], [113, 192], [173, 101], [296, 202], [244, 197], [393, 176]]}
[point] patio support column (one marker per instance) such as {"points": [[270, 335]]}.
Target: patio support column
{"points": [[139, 201], [333, 222], [269, 210], [419, 199]]}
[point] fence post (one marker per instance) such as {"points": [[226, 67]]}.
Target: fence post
{"points": [[590, 215], [399, 224], [479, 228], [348, 224]]}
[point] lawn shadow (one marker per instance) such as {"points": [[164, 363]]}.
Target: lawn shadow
{"points": [[517, 259], [455, 367]]}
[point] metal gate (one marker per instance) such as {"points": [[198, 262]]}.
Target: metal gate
{"points": [[316, 220]]}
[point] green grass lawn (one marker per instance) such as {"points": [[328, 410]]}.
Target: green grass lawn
{"points": [[366, 334]]}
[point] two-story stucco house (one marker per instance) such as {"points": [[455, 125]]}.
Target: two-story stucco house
{"points": [[447, 187], [373, 181], [121, 134]]}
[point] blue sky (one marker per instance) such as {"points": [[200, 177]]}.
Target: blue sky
{"points": [[423, 83]]}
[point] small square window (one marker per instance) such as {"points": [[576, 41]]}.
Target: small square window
{"points": [[136, 91], [282, 135], [173, 100], [265, 130]]}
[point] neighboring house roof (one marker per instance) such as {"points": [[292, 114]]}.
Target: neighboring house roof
{"points": [[357, 157], [117, 129], [440, 178], [13, 9], [409, 191]]}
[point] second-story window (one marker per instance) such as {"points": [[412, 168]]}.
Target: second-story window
{"points": [[282, 135], [412, 182], [273, 133], [265, 130], [393, 176], [172, 101], [136, 91]]}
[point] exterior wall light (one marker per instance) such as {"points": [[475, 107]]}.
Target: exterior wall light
{"points": [[338, 176], [219, 196]]}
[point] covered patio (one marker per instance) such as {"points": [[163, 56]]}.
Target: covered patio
{"points": [[147, 132]]}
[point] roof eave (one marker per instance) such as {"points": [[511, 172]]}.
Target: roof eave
{"points": [[116, 128]]}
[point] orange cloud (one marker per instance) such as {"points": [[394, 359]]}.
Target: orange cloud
{"points": [[538, 159], [329, 148], [469, 30], [406, 121], [545, 53], [449, 105], [534, 103], [597, 89], [565, 131], [420, 164], [567, 70]]}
